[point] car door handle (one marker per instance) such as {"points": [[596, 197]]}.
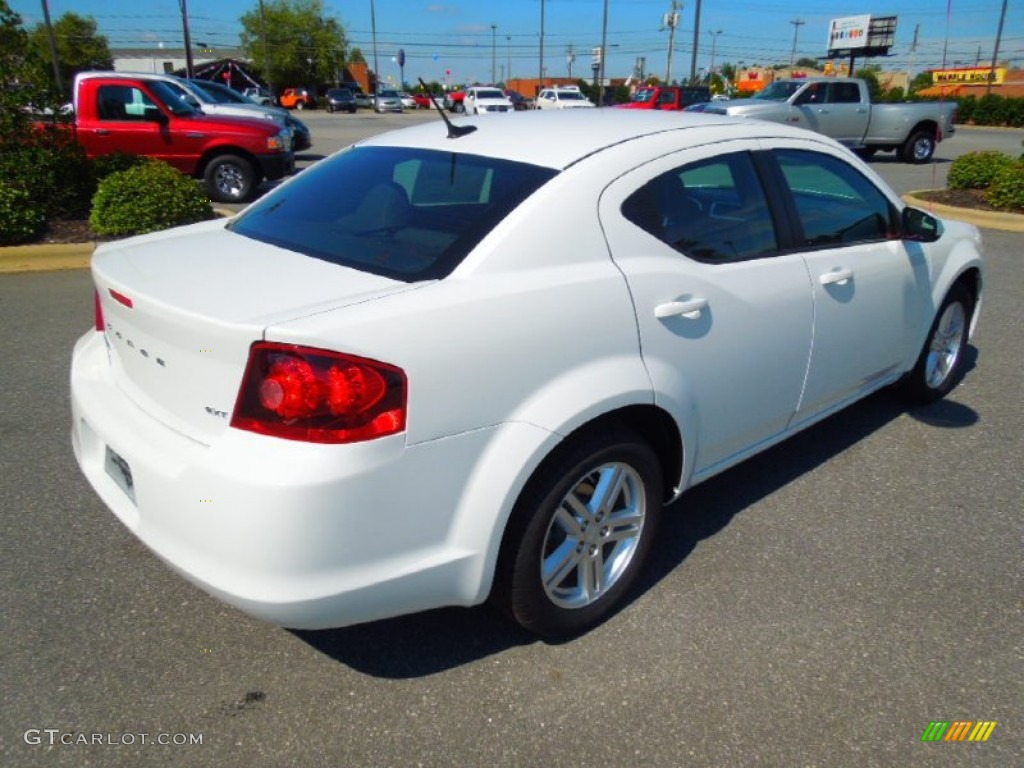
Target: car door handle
{"points": [[838, 276], [690, 309], [102, 132]]}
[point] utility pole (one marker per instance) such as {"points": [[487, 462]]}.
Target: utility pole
{"points": [[797, 23], [670, 21], [696, 43], [494, 43], [995, 52], [53, 50], [266, 56], [540, 78], [188, 39], [508, 55], [913, 56], [570, 57]]}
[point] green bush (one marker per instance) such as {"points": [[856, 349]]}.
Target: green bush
{"points": [[976, 170], [1006, 191], [104, 165], [146, 198], [52, 169], [20, 221]]}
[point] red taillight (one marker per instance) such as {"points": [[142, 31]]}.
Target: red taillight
{"points": [[300, 393], [98, 312]]}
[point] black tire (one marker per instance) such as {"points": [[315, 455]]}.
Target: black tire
{"points": [[230, 179], [940, 365], [919, 147], [330, 110], [300, 105], [558, 523], [458, 107]]}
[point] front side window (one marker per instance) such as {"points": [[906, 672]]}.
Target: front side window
{"points": [[407, 214], [712, 210], [835, 203]]}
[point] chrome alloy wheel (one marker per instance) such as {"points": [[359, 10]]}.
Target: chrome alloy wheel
{"points": [[230, 180], [593, 535], [947, 345]]}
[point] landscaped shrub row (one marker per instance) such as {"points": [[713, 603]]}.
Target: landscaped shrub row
{"points": [[1001, 176], [46, 176]]}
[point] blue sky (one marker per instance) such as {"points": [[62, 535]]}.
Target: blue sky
{"points": [[456, 36]]}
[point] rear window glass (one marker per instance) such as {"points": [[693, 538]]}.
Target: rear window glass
{"points": [[407, 214]]}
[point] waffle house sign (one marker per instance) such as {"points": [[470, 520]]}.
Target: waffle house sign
{"points": [[976, 76]]}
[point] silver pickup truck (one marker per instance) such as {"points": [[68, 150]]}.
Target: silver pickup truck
{"points": [[842, 108]]}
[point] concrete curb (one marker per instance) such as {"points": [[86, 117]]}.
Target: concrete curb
{"points": [[45, 258], [1007, 222], [52, 257]]}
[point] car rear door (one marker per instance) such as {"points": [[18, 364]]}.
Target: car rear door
{"points": [[724, 318]]}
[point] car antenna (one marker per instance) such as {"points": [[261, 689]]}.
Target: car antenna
{"points": [[454, 131]]}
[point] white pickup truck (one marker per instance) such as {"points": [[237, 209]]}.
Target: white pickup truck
{"points": [[842, 108]]}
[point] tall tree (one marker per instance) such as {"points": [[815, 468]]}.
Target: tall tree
{"points": [[20, 87], [292, 43], [79, 47]]}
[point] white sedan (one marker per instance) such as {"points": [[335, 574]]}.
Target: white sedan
{"points": [[399, 381]]}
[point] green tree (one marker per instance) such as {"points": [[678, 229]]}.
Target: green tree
{"points": [[79, 48], [302, 46], [808, 63], [870, 76], [921, 81]]}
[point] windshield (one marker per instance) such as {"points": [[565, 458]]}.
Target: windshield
{"points": [[493, 94], [407, 214], [779, 91], [175, 97], [643, 96], [220, 93], [571, 96]]}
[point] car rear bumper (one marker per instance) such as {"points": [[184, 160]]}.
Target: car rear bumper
{"points": [[297, 534]]}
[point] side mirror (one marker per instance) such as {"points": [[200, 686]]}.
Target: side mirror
{"points": [[154, 115], [920, 226]]}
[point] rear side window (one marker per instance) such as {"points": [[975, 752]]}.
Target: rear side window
{"points": [[835, 203], [407, 214], [713, 210]]}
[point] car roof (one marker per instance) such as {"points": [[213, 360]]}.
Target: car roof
{"points": [[559, 138]]}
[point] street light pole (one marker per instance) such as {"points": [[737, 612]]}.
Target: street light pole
{"points": [[995, 52], [604, 55], [797, 23], [494, 68], [714, 40], [508, 55]]}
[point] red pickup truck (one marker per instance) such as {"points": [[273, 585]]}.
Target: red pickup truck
{"points": [[667, 97], [121, 113]]}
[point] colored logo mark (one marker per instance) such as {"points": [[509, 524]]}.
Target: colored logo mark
{"points": [[958, 730]]}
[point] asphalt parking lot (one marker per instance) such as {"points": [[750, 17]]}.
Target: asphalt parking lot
{"points": [[818, 605]]}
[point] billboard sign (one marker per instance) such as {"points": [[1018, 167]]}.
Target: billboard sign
{"points": [[849, 33]]}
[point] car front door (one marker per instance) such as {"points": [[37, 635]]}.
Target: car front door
{"points": [[868, 285], [724, 318]]}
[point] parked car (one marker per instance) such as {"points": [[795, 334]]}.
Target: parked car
{"points": [[485, 100], [423, 101], [145, 114], [297, 98], [519, 102], [562, 98], [667, 97], [259, 95], [402, 381], [408, 101], [387, 100], [363, 100], [841, 108], [218, 98], [341, 99], [453, 101]]}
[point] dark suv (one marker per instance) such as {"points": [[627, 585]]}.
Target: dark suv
{"points": [[341, 99]]}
